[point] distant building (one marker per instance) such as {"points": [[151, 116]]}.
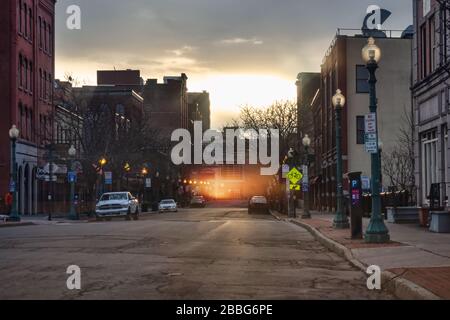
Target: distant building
{"points": [[308, 85], [27, 65], [167, 104], [199, 109], [129, 78], [343, 68], [431, 99]]}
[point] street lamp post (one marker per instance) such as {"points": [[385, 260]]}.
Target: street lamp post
{"points": [[376, 231], [340, 220], [306, 143], [14, 135], [72, 213], [291, 197]]}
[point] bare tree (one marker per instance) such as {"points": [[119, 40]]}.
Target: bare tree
{"points": [[98, 130], [281, 115], [399, 164]]}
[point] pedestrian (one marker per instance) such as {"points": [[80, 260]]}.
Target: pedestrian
{"points": [[9, 202]]}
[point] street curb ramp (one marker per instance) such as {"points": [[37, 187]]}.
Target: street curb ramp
{"points": [[400, 287]]}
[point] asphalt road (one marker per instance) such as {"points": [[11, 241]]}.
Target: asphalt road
{"points": [[212, 253]]}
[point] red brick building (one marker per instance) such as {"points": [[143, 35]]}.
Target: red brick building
{"points": [[27, 70]]}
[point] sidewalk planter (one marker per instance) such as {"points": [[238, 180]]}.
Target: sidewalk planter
{"points": [[440, 222], [409, 215], [424, 217]]}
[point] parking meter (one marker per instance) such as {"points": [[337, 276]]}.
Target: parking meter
{"points": [[356, 208]]}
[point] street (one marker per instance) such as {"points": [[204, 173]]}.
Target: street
{"points": [[212, 253]]}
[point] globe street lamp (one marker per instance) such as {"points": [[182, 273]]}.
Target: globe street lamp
{"points": [[340, 220], [72, 213], [306, 143], [13, 135], [376, 231]]}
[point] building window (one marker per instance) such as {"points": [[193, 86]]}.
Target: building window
{"points": [[19, 71], [429, 159], [50, 49], [31, 77], [362, 78], [50, 91], [30, 20], [44, 84], [45, 36], [426, 7], [40, 32], [360, 130], [423, 51], [20, 125], [25, 62], [26, 19], [20, 16]]}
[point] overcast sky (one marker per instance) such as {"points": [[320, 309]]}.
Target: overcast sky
{"points": [[242, 51]]}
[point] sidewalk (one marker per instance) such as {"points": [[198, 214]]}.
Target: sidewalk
{"points": [[414, 254]]}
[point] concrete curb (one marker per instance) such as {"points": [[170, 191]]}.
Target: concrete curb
{"points": [[20, 224], [400, 287]]}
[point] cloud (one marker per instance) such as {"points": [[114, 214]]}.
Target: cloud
{"points": [[181, 51], [237, 41]]}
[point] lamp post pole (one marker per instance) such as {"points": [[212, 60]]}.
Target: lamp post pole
{"points": [[376, 231], [340, 220], [14, 134], [306, 213], [72, 212]]}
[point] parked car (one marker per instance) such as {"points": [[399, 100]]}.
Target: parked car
{"points": [[168, 205], [117, 204], [258, 204], [198, 201]]}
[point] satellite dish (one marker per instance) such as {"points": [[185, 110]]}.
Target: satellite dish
{"points": [[370, 32]]}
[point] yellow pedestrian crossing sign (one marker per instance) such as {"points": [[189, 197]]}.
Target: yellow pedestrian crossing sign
{"points": [[294, 176], [295, 187]]}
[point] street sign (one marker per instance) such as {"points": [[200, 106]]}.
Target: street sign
{"points": [[295, 187], [371, 123], [305, 187], [294, 176], [40, 174], [285, 171], [72, 176], [148, 183], [108, 177], [12, 186], [370, 138]]}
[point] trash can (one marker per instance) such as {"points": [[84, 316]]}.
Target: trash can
{"points": [[440, 222]]}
